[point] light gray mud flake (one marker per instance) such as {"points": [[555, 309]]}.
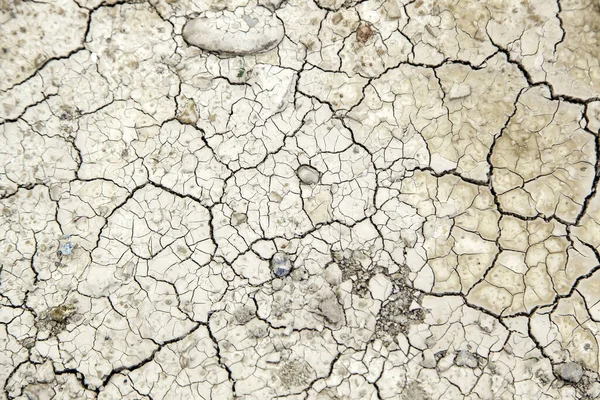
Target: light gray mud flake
{"points": [[332, 310], [271, 4], [238, 218], [466, 359], [243, 32], [307, 174], [570, 372], [281, 264]]}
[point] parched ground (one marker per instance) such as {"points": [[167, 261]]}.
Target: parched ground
{"points": [[299, 199]]}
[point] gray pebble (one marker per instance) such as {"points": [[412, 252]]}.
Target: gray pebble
{"points": [[570, 372], [307, 174]]}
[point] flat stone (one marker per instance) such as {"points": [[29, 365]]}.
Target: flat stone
{"points": [[459, 91], [273, 358], [243, 32]]}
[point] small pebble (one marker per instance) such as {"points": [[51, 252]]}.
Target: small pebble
{"points": [[307, 174], [570, 372], [65, 249], [281, 264]]}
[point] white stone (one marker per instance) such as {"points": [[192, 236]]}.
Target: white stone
{"points": [[243, 32]]}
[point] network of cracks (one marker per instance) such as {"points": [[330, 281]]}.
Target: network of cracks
{"points": [[299, 199]]}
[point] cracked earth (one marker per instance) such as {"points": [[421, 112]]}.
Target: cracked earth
{"points": [[299, 199]]}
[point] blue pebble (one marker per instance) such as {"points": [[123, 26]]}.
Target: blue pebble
{"points": [[281, 264], [65, 249]]}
